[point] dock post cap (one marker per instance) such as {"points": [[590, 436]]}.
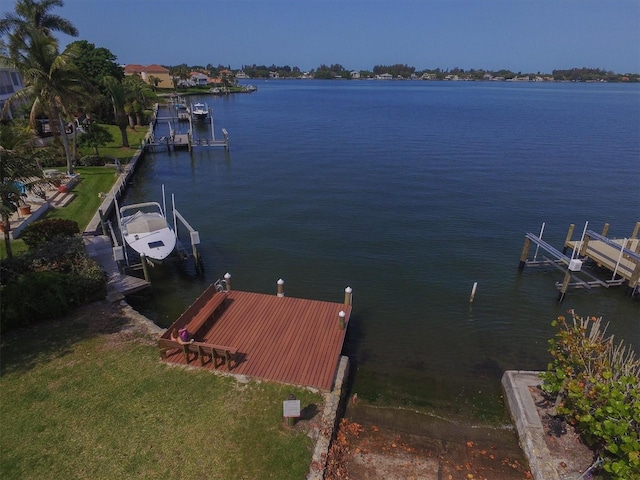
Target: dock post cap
{"points": [[227, 276], [280, 282], [348, 290]]}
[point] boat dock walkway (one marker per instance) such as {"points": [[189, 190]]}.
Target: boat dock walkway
{"points": [[621, 257], [100, 249]]}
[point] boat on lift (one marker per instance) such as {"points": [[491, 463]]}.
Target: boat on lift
{"points": [[144, 228], [199, 111]]}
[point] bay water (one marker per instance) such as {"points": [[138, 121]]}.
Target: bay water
{"points": [[409, 193]]}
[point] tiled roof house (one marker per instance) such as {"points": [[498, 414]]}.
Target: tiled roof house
{"points": [[148, 71]]}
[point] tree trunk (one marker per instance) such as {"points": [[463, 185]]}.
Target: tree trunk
{"points": [[7, 238], [65, 144]]}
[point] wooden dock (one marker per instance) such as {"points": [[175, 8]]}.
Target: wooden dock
{"points": [[100, 249], [620, 257], [287, 340]]}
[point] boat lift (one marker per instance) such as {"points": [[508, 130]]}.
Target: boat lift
{"points": [[621, 257], [120, 250]]}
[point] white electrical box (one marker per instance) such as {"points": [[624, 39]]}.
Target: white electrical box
{"points": [[118, 254], [575, 265]]}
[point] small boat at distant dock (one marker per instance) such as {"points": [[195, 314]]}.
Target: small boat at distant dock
{"points": [[199, 111]]}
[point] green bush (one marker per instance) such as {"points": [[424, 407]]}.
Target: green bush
{"points": [[34, 297], [43, 231], [597, 388], [92, 161]]}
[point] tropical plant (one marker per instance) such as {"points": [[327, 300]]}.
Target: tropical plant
{"points": [[52, 79], [95, 136], [32, 17], [597, 387], [19, 173], [117, 92]]}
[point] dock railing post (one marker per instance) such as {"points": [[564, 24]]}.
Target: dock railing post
{"points": [[568, 239], [524, 254], [348, 297], [280, 288]]}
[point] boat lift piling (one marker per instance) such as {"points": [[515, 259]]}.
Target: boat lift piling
{"points": [[194, 237]]}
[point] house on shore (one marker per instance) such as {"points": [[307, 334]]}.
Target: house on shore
{"points": [[150, 72]]}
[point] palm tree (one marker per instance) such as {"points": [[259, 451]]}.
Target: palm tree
{"points": [[51, 79], [118, 95], [53, 82], [33, 18], [19, 170]]}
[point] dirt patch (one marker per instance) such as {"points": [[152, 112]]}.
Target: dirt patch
{"points": [[362, 452], [570, 455]]}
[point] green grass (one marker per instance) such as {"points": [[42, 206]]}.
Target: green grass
{"points": [[84, 206], [115, 149], [83, 399]]}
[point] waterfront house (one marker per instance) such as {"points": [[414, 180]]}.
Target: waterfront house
{"points": [[10, 83], [149, 72]]}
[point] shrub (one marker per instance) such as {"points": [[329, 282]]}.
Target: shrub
{"points": [[596, 385], [92, 161], [35, 296], [43, 231]]}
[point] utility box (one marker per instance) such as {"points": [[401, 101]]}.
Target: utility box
{"points": [[195, 238], [118, 254], [575, 265]]}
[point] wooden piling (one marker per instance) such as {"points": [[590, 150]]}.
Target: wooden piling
{"points": [[568, 239], [565, 286], [145, 267], [280, 288], [348, 296], [341, 322], [636, 229], [227, 279], [605, 229], [524, 254]]}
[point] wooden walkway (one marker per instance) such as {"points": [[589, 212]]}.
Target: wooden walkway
{"points": [[99, 248], [282, 339]]}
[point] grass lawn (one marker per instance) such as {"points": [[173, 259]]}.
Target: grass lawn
{"points": [[114, 149], [88, 397], [84, 206]]}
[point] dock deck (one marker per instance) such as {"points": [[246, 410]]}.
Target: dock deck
{"points": [[281, 339], [99, 248]]}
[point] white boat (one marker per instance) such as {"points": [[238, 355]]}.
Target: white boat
{"points": [[199, 111], [145, 229]]}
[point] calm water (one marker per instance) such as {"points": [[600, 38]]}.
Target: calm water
{"points": [[409, 192]]}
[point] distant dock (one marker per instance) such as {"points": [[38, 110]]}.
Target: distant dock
{"points": [[159, 139], [619, 257]]}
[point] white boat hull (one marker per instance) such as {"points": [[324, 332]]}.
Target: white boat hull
{"points": [[147, 232]]}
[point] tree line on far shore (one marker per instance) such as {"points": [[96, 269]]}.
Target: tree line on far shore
{"points": [[337, 71]]}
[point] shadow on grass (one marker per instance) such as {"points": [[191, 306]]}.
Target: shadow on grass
{"points": [[22, 349]]}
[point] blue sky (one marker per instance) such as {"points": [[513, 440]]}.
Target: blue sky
{"points": [[520, 35]]}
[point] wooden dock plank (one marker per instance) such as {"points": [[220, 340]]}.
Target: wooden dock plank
{"points": [[607, 255]]}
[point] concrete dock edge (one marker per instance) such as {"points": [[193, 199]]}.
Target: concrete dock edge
{"points": [[329, 422], [523, 411]]}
